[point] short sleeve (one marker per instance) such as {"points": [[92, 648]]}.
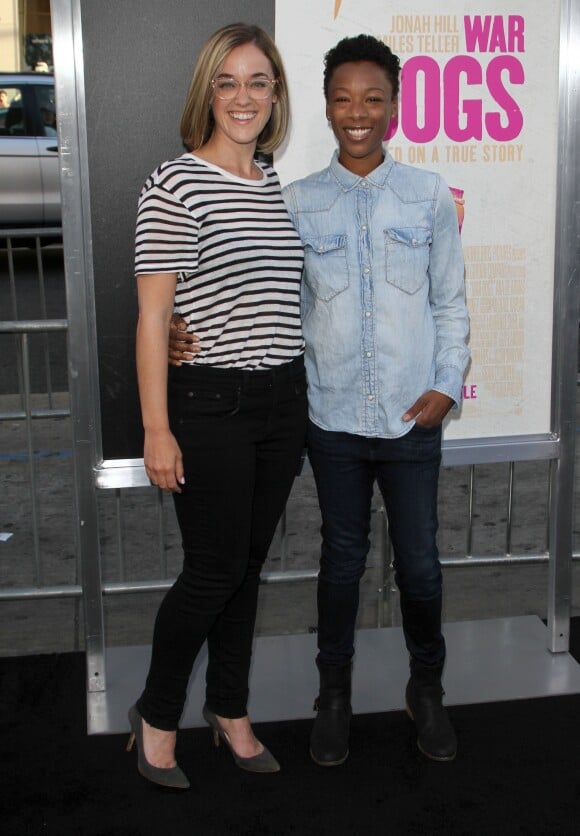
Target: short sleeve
{"points": [[166, 239], [289, 197]]}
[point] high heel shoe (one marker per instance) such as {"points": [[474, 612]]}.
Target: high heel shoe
{"points": [[169, 777], [264, 762]]}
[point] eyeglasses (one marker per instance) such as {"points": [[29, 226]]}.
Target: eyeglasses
{"points": [[257, 88]]}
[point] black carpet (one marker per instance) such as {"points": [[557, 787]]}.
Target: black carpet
{"points": [[517, 772]]}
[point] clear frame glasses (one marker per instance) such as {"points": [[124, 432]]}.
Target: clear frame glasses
{"points": [[227, 88]]}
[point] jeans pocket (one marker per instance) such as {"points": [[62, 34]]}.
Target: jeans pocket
{"points": [[207, 402], [424, 442], [427, 431]]}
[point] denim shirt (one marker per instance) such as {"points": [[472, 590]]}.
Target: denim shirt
{"points": [[383, 296]]}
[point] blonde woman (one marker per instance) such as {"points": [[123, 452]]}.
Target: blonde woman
{"points": [[223, 431]]}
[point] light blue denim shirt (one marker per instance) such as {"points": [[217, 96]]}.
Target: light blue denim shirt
{"points": [[383, 296]]}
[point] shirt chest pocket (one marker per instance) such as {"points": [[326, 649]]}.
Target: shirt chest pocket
{"points": [[325, 265], [407, 257]]}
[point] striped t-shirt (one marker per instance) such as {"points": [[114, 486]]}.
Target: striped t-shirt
{"points": [[237, 256]]}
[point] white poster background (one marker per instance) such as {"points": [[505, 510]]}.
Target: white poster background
{"points": [[509, 185]]}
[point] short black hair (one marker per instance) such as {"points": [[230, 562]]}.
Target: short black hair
{"points": [[362, 48]]}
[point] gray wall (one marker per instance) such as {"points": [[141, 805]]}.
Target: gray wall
{"points": [[138, 60]]}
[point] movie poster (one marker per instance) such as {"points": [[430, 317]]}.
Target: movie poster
{"points": [[479, 104]]}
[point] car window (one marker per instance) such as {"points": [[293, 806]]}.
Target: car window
{"points": [[47, 110], [11, 112]]}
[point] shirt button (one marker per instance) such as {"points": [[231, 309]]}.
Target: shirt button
{"points": [[371, 397], [364, 226], [367, 270], [364, 183], [413, 240], [369, 354], [368, 313]]}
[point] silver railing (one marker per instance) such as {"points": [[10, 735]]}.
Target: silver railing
{"points": [[116, 483], [28, 400]]}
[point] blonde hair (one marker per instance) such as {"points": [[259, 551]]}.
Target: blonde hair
{"points": [[197, 122]]}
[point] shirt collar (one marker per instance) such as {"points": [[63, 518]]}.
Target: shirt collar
{"points": [[347, 180]]}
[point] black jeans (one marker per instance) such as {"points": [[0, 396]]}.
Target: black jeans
{"points": [[241, 434], [406, 469]]}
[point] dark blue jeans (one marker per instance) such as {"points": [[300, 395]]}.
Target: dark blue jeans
{"points": [[241, 434], [406, 469]]}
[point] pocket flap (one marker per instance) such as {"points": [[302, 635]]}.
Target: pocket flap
{"points": [[409, 235], [324, 243]]}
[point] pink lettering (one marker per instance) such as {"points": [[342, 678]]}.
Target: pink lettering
{"points": [[454, 107], [488, 34], [497, 41], [432, 95], [431, 104], [493, 121], [476, 32], [516, 34], [470, 392]]}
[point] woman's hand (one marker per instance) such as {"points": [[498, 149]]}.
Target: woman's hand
{"points": [[182, 345], [163, 460]]}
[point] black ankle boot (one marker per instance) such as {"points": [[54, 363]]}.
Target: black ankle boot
{"points": [[329, 738], [435, 735]]}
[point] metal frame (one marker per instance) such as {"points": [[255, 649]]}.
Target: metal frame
{"points": [[92, 473], [564, 363], [22, 329], [83, 374]]}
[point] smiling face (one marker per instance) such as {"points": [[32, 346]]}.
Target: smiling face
{"points": [[241, 120], [359, 106]]}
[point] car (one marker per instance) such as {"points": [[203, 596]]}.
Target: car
{"points": [[29, 166]]}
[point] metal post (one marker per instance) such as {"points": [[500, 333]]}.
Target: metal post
{"points": [[510, 508], [43, 315], [85, 413], [120, 535], [564, 363], [470, 503], [30, 450]]}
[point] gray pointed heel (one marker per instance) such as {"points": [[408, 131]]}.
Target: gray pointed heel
{"points": [[264, 762], [172, 777]]}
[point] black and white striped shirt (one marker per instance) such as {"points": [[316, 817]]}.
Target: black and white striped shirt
{"points": [[237, 256]]}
